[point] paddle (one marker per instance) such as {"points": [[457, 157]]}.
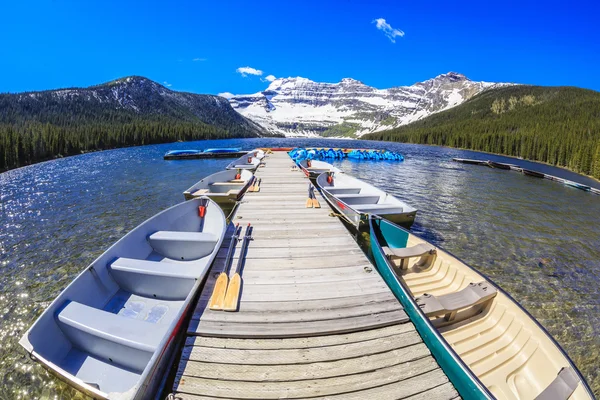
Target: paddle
{"points": [[309, 202], [315, 202], [235, 284], [217, 300], [256, 186], [252, 181]]}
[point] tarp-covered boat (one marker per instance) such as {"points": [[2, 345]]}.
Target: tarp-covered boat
{"points": [[224, 187], [353, 198], [483, 339], [111, 332], [223, 150]]}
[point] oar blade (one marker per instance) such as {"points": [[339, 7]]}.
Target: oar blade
{"points": [[217, 300], [233, 293]]}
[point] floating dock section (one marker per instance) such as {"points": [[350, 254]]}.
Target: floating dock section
{"points": [[528, 172], [202, 155], [315, 319]]}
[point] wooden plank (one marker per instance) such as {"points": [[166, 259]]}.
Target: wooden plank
{"points": [[300, 356], [300, 343], [297, 316], [317, 370], [309, 388], [314, 306], [444, 391], [295, 329], [293, 252], [289, 263]]}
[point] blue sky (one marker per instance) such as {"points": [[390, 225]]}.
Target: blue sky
{"points": [[197, 46]]}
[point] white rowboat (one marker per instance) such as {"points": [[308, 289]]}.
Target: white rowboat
{"points": [[111, 332]]}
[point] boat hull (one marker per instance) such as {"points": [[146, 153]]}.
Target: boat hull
{"points": [[471, 350], [358, 219], [111, 332]]}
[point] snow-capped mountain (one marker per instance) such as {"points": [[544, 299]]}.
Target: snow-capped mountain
{"points": [[301, 107]]}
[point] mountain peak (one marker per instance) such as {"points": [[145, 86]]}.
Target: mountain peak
{"points": [[301, 107], [452, 76], [133, 80], [351, 81]]}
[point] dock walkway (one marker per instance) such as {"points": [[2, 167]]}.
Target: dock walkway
{"points": [[315, 318]]}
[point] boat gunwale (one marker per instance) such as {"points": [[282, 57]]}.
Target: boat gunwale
{"points": [[358, 216], [404, 287], [188, 195]]}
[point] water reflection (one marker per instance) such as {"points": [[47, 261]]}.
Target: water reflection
{"points": [[537, 239]]}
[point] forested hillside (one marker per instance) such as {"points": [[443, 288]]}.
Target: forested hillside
{"points": [[131, 111], [556, 125]]}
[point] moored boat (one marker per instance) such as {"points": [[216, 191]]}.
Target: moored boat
{"points": [[250, 161], [110, 333], [354, 198], [223, 150], [314, 168], [577, 185], [224, 187], [535, 174], [476, 331]]}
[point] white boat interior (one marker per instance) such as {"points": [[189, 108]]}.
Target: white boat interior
{"points": [[223, 185], [106, 332], [249, 161], [316, 167], [363, 197], [510, 353]]}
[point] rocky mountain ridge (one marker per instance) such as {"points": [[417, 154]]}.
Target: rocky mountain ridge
{"points": [[301, 107]]}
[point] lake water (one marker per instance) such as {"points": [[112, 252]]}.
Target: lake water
{"points": [[536, 238]]}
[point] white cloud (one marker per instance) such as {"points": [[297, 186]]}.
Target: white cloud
{"points": [[198, 59], [227, 95], [387, 29], [167, 84], [245, 71], [270, 78]]}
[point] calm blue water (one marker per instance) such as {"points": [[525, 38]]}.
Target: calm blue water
{"points": [[537, 239]]}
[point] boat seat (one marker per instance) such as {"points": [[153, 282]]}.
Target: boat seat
{"points": [[343, 190], [361, 199], [562, 387], [426, 251], [201, 192], [119, 340], [162, 280], [230, 183], [449, 304], [237, 181], [183, 245]]}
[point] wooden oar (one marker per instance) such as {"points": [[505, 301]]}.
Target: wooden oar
{"points": [[217, 300], [315, 202], [309, 202], [256, 186], [235, 284], [251, 184]]}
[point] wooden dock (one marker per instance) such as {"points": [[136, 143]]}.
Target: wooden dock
{"points": [[315, 318]]}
